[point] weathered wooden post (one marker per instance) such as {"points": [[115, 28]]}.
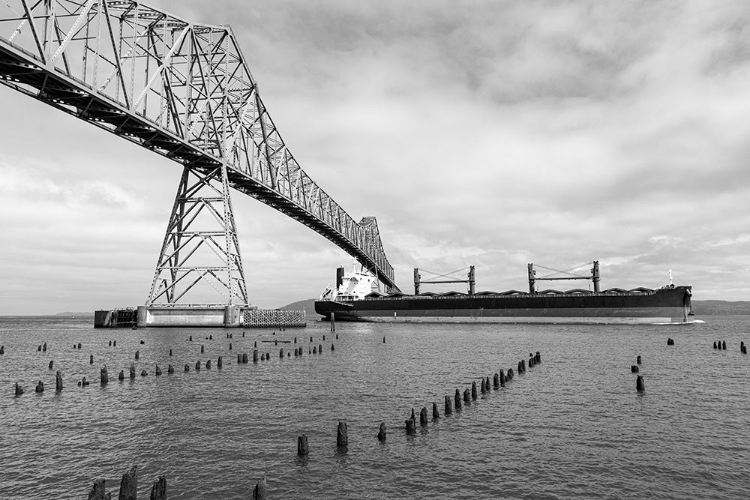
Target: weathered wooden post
{"points": [[208, 364], [132, 370], [104, 376], [281, 352], [457, 400], [638, 360], [144, 373], [219, 362], [423, 416], [197, 365], [302, 448], [39, 386], [129, 485], [411, 425], [255, 355], [333, 321], [435, 412], [159, 489], [342, 435], [170, 369], [448, 405], [382, 432], [44, 347], [187, 367], [202, 349], [259, 493], [97, 491], [473, 390], [467, 397], [91, 359], [634, 369], [640, 385], [121, 376], [59, 381], [50, 364], [724, 345], [157, 371], [670, 341], [170, 352]]}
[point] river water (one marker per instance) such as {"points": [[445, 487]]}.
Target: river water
{"points": [[573, 426]]}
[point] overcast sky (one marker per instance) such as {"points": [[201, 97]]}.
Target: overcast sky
{"points": [[477, 132]]}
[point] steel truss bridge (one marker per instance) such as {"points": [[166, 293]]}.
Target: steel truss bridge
{"points": [[183, 91]]}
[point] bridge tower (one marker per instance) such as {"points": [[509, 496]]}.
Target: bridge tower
{"points": [[200, 245]]}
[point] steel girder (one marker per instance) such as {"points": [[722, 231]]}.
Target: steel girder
{"points": [[180, 89]]}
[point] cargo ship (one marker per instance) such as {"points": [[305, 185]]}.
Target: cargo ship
{"points": [[356, 297]]}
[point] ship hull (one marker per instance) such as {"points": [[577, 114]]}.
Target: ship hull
{"points": [[668, 305]]}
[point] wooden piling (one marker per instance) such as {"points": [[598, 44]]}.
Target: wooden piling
{"points": [[187, 367], [50, 364], [332, 347], [423, 416], [2, 349], [104, 376], [170, 352], [132, 370], [157, 370], [302, 448], [634, 369], [170, 369], [144, 373], [320, 348], [97, 491], [91, 359], [724, 345], [670, 341], [59, 381], [501, 377], [202, 350], [281, 352], [457, 400], [44, 347], [467, 397], [333, 322], [473, 390], [411, 426], [638, 360], [259, 493], [640, 385], [230, 346], [129, 485], [342, 435], [448, 405], [159, 489], [435, 412], [39, 387], [79, 345], [197, 365], [219, 362], [121, 376], [382, 432], [137, 354], [255, 356]]}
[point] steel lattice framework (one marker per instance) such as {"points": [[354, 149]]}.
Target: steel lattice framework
{"points": [[180, 89]]}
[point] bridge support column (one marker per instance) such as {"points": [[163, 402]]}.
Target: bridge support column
{"points": [[200, 263]]}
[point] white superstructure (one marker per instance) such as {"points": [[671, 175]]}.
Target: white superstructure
{"points": [[355, 285]]}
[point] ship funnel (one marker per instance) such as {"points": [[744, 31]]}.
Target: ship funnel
{"points": [[339, 277]]}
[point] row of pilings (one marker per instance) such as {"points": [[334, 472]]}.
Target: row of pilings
{"points": [[130, 372]]}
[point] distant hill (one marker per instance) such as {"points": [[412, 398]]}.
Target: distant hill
{"points": [[720, 307], [700, 307], [308, 305], [76, 314]]}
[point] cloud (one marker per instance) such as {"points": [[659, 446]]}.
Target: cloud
{"points": [[488, 133]]}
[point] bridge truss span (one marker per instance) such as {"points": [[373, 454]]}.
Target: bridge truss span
{"points": [[179, 89]]}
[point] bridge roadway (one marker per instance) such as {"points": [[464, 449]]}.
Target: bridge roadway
{"points": [[178, 89]]}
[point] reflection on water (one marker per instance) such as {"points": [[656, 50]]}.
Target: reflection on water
{"points": [[573, 426]]}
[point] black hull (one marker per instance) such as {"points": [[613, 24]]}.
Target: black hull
{"points": [[665, 305]]}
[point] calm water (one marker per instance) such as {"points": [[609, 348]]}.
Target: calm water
{"points": [[571, 427]]}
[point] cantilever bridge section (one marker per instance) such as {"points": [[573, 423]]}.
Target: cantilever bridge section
{"points": [[181, 90]]}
